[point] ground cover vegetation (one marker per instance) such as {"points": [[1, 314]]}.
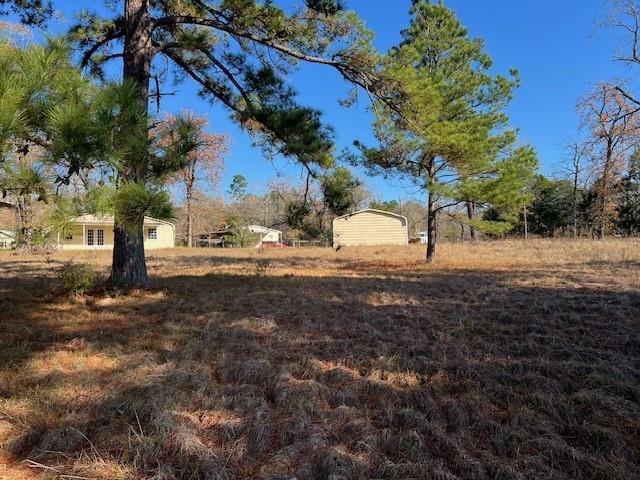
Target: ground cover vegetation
{"points": [[509, 360]]}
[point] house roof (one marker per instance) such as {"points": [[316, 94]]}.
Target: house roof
{"points": [[7, 234], [374, 210], [90, 219], [261, 229]]}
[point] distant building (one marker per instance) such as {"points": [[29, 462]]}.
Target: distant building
{"points": [[268, 236], [7, 239], [93, 232], [370, 227], [224, 237], [423, 237]]}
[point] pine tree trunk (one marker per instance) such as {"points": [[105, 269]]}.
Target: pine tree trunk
{"points": [[432, 226], [189, 221], [190, 181], [128, 268], [128, 265], [432, 229], [470, 212]]}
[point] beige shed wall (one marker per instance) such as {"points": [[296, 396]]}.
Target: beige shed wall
{"points": [[370, 228]]}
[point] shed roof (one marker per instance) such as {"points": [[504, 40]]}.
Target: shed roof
{"points": [[374, 210]]}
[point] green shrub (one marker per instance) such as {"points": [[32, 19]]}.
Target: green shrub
{"points": [[75, 278]]}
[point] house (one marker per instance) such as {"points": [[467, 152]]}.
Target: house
{"points": [[7, 239], [93, 232], [370, 227], [267, 236], [423, 237]]}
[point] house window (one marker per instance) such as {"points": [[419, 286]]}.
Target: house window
{"points": [[90, 237], [69, 236], [100, 237], [152, 233]]}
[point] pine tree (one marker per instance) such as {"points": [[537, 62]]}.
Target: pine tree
{"points": [[551, 206], [338, 194], [451, 137], [337, 190], [35, 82], [238, 188], [238, 52], [75, 127]]}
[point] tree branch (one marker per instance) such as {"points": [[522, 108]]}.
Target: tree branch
{"points": [[86, 58], [452, 204], [347, 71], [208, 86], [229, 75], [627, 96]]}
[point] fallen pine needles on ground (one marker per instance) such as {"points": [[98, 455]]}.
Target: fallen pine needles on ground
{"points": [[507, 360]]}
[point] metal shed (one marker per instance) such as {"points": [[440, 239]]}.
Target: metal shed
{"points": [[370, 227]]}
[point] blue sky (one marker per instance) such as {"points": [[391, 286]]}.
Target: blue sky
{"points": [[556, 45]]}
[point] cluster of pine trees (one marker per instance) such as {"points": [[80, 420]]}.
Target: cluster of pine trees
{"points": [[559, 208]]}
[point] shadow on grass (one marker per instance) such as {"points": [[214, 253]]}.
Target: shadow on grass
{"points": [[462, 374]]}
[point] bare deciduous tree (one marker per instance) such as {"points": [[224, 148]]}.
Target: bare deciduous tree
{"points": [[206, 214], [612, 123], [204, 165], [574, 167], [624, 16]]}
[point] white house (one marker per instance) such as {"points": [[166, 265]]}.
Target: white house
{"points": [[268, 236], [93, 232], [423, 237], [370, 227], [7, 239]]}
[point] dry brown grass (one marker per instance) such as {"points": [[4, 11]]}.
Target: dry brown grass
{"points": [[506, 360]]}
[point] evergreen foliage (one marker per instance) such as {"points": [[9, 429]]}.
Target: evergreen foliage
{"points": [[337, 190], [629, 202], [452, 137]]}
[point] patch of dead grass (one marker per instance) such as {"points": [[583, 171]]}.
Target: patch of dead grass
{"points": [[505, 360]]}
